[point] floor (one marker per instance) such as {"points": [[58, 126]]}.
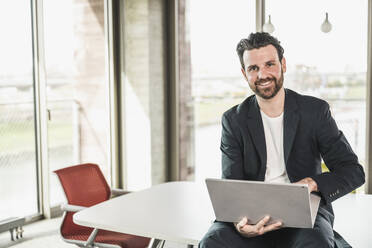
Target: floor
{"points": [[45, 234]]}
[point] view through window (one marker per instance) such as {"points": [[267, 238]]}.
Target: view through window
{"points": [[77, 87], [77, 98], [18, 177], [217, 83], [332, 66]]}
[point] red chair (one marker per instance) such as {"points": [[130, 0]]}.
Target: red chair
{"points": [[84, 186]]}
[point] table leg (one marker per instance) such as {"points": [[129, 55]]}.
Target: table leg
{"points": [[156, 243]]}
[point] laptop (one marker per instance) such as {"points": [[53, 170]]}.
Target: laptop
{"points": [[292, 204]]}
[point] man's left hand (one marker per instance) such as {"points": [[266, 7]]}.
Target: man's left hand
{"points": [[313, 186]]}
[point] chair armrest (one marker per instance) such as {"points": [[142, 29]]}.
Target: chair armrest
{"points": [[72, 208], [118, 192], [76, 208]]}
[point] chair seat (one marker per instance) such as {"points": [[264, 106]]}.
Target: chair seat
{"points": [[123, 240]]}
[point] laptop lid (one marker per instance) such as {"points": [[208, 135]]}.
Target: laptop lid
{"points": [[289, 203]]}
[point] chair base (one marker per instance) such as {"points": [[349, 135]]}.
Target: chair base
{"points": [[95, 244]]}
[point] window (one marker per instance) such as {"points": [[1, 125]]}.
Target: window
{"points": [[77, 87], [330, 65], [216, 83], [77, 99], [18, 177]]}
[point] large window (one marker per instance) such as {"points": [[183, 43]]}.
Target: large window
{"points": [[330, 65], [18, 180], [73, 43], [213, 29], [77, 87]]}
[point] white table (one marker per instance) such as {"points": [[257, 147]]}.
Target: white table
{"points": [[354, 219], [181, 212], [177, 211]]}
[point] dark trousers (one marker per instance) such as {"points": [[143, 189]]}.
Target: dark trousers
{"points": [[224, 235]]}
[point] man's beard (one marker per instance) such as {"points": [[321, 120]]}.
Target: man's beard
{"points": [[270, 92]]}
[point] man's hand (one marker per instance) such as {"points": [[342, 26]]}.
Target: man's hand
{"points": [[249, 231], [313, 186]]}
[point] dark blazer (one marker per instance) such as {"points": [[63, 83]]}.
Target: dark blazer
{"points": [[310, 134]]}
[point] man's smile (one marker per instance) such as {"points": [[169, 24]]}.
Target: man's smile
{"points": [[264, 84]]}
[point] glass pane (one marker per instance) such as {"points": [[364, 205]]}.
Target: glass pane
{"points": [[330, 65], [77, 97], [18, 177], [216, 80]]}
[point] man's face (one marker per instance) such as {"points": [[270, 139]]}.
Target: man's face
{"points": [[263, 71]]}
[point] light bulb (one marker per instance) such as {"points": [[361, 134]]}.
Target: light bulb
{"points": [[326, 25], [268, 26]]}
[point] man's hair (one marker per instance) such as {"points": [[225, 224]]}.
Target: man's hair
{"points": [[258, 40]]}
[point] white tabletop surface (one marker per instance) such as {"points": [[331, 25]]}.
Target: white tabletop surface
{"points": [[353, 219], [175, 211], [181, 212]]}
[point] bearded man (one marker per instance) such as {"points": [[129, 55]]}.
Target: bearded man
{"points": [[278, 135]]}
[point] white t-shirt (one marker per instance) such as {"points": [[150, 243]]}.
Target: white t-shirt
{"points": [[275, 166]]}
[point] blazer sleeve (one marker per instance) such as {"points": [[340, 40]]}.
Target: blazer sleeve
{"points": [[346, 174], [232, 151]]}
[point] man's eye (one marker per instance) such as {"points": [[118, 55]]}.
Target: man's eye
{"points": [[270, 64], [253, 68]]}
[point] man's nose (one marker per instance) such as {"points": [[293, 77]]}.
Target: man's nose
{"points": [[262, 73]]}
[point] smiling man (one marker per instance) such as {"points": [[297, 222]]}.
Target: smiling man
{"points": [[278, 135]]}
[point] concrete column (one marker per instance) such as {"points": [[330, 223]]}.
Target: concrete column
{"points": [[186, 107]]}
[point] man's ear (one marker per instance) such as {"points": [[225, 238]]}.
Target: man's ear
{"points": [[284, 65], [244, 74]]}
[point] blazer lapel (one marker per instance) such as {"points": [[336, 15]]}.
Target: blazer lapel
{"points": [[256, 130], [291, 120]]}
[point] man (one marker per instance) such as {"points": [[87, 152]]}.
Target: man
{"points": [[278, 135]]}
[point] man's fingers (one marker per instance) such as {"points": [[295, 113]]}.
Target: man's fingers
{"points": [[272, 227], [262, 222], [258, 229], [242, 223]]}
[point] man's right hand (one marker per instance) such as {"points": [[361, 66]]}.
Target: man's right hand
{"points": [[249, 231]]}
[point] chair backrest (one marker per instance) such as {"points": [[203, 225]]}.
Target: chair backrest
{"points": [[84, 185]]}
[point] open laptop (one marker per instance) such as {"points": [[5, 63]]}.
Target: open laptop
{"points": [[292, 204]]}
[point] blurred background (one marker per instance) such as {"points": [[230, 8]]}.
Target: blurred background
{"points": [[139, 86]]}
